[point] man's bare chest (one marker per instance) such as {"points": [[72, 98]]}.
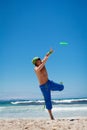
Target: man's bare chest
{"points": [[43, 72]]}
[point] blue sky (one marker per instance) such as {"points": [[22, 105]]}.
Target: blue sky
{"points": [[30, 28]]}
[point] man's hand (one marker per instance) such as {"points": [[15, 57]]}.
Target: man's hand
{"points": [[50, 52]]}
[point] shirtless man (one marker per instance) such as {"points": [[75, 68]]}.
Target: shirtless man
{"points": [[46, 85]]}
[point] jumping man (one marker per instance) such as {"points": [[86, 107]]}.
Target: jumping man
{"points": [[46, 85]]}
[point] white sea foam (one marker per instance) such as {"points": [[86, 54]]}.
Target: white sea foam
{"points": [[64, 101], [69, 100], [2, 108], [70, 109], [39, 111], [21, 102]]}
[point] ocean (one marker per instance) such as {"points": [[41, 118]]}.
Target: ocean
{"points": [[62, 108]]}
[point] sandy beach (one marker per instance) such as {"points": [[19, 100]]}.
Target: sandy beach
{"points": [[43, 124]]}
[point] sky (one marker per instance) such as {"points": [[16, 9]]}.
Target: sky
{"points": [[30, 28]]}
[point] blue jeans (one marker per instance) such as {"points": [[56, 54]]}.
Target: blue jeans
{"points": [[46, 91]]}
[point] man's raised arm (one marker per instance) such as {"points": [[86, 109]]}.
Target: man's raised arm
{"points": [[38, 68]]}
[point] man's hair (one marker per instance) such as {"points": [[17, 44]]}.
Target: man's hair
{"points": [[36, 60]]}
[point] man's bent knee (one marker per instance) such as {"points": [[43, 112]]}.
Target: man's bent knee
{"points": [[61, 88]]}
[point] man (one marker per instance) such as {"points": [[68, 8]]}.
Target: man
{"points": [[46, 85]]}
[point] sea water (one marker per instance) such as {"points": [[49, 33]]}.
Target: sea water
{"points": [[64, 108]]}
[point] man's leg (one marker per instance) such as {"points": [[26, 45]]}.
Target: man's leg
{"points": [[56, 87], [47, 97], [48, 104], [51, 115]]}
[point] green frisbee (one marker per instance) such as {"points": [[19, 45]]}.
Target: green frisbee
{"points": [[63, 43]]}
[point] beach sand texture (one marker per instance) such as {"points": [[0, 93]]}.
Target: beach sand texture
{"points": [[43, 124]]}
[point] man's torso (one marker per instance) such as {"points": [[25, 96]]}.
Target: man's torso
{"points": [[42, 76]]}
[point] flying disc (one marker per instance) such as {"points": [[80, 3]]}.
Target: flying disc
{"points": [[63, 43]]}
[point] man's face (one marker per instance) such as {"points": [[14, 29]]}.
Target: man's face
{"points": [[38, 62]]}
